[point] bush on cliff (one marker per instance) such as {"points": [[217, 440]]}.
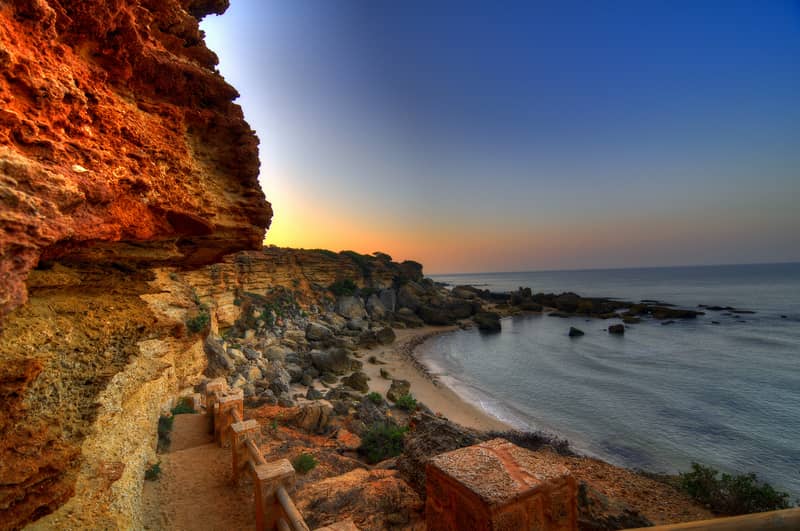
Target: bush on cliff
{"points": [[382, 441], [342, 288], [304, 463], [199, 322], [731, 495]]}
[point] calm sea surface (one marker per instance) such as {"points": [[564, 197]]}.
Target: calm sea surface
{"points": [[659, 397]]}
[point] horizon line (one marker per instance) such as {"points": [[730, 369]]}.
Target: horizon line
{"points": [[790, 262]]}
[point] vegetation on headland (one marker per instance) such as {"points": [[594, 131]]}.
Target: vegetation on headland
{"points": [[382, 441], [304, 463], [731, 495]]}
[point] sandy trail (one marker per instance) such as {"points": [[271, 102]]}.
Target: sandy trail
{"points": [[195, 491]]}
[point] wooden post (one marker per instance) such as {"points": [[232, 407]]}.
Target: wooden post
{"points": [[223, 419], [267, 479], [214, 389], [241, 432]]}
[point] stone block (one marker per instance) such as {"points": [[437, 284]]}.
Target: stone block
{"points": [[496, 485]]}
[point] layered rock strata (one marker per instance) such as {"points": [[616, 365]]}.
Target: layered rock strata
{"points": [[119, 141], [121, 152]]}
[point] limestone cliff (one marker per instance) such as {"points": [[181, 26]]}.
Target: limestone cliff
{"points": [[121, 152], [118, 139]]}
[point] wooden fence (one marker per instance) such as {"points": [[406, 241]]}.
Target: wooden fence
{"points": [[272, 481]]}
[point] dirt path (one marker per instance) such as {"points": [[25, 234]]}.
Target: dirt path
{"points": [[194, 491]]}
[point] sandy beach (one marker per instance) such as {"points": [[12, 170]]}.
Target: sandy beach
{"points": [[399, 362]]}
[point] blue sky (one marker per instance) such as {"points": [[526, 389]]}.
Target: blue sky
{"points": [[487, 136]]}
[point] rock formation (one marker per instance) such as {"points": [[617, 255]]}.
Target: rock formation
{"points": [[121, 150], [119, 141]]}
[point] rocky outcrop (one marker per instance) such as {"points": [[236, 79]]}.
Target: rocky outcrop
{"points": [[119, 141], [121, 153]]}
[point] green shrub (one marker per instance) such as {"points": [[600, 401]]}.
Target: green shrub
{"points": [[184, 405], [153, 472], [382, 441], [731, 495], [304, 463], [199, 322], [407, 402], [164, 429], [343, 287], [375, 398]]}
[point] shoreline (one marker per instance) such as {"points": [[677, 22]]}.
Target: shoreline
{"points": [[399, 360]]}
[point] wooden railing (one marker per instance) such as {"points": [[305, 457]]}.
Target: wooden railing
{"points": [[272, 481], [785, 520]]}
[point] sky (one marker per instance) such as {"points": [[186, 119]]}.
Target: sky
{"points": [[512, 136]]}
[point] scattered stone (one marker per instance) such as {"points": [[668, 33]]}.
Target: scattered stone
{"points": [[341, 407], [285, 401], [357, 324], [375, 361], [629, 319], [665, 323], [398, 389], [385, 374], [252, 354], [335, 360], [318, 332], [784, 316], [575, 332], [385, 336], [714, 322], [617, 329], [314, 418], [306, 379], [357, 381], [328, 378]]}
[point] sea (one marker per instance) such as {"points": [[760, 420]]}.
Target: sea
{"points": [[659, 397]]}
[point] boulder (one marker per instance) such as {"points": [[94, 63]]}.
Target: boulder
{"points": [[276, 353], [388, 298], [368, 412], [336, 360], [617, 329], [252, 373], [436, 315], [336, 321], [375, 308], [410, 296], [306, 379], [313, 394], [385, 336], [461, 308], [318, 332], [251, 354], [408, 317], [487, 321], [357, 381], [357, 324], [314, 418], [219, 363], [350, 307], [463, 292], [398, 389], [575, 332]]}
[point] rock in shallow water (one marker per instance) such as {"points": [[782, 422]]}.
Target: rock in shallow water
{"points": [[575, 332]]}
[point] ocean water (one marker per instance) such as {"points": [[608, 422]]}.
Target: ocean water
{"points": [[659, 397]]}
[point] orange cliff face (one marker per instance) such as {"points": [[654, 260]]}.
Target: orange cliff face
{"points": [[121, 151], [119, 141]]}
